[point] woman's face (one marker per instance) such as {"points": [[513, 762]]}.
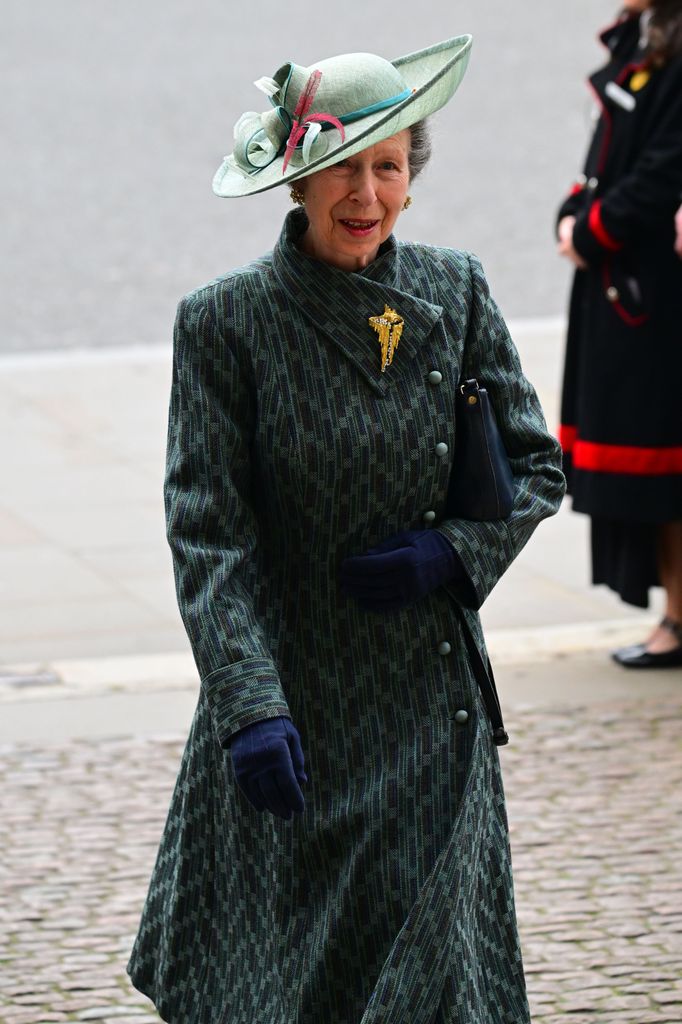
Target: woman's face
{"points": [[353, 205]]}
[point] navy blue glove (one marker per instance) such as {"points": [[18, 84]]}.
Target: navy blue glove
{"points": [[400, 571], [268, 764]]}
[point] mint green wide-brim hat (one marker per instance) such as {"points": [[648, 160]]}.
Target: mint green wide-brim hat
{"points": [[333, 109]]}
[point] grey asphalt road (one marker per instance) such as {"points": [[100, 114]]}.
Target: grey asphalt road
{"points": [[115, 117]]}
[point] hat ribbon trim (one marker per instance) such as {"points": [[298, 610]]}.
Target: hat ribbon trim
{"points": [[374, 108], [303, 120], [310, 125]]}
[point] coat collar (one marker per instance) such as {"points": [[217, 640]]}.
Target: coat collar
{"points": [[623, 34], [627, 55], [340, 303]]}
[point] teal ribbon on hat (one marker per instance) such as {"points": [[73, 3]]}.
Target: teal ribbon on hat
{"points": [[374, 108]]}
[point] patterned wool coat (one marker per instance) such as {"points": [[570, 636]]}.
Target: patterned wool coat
{"points": [[621, 426], [390, 899]]}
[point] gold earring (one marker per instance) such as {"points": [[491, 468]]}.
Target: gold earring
{"points": [[408, 202], [297, 196]]}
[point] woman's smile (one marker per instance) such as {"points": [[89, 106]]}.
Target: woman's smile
{"points": [[358, 228]]}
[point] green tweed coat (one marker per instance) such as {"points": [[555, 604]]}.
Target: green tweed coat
{"points": [[389, 901]]}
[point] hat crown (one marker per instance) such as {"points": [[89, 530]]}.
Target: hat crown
{"points": [[348, 83]]}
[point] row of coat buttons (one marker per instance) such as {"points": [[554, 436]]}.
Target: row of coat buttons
{"points": [[436, 377], [441, 449], [460, 716]]}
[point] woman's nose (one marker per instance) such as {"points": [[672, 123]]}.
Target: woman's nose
{"points": [[363, 189]]}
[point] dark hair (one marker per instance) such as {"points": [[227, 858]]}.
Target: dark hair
{"points": [[420, 147], [665, 30]]}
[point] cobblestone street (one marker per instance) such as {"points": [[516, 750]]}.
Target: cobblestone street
{"points": [[594, 796]]}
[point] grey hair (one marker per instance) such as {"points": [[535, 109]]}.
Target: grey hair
{"points": [[420, 147]]}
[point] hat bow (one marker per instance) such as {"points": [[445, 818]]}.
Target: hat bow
{"points": [[261, 138]]}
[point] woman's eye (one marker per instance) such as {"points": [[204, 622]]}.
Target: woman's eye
{"points": [[388, 165]]}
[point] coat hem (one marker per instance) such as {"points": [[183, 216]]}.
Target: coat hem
{"points": [[148, 992]]}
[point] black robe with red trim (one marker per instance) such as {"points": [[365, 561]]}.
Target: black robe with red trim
{"points": [[621, 416]]}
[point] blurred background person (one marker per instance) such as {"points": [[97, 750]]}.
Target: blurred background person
{"points": [[621, 425]]}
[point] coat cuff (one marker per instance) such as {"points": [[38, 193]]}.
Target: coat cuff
{"points": [[591, 239], [481, 547], [460, 585], [241, 694], [573, 205]]}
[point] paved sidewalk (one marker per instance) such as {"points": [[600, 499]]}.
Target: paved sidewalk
{"points": [[593, 788]]}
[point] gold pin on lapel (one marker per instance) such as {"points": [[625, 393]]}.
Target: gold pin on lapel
{"points": [[389, 327], [639, 80]]}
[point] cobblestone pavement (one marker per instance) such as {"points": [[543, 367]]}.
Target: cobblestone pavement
{"points": [[594, 798]]}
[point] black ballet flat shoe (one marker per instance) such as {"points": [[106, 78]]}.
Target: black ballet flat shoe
{"points": [[637, 656]]}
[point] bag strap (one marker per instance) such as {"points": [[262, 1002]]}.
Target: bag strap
{"points": [[486, 681], [468, 385]]}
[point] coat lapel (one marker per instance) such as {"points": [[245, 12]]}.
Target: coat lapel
{"points": [[340, 303]]}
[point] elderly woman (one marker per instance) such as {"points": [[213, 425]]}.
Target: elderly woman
{"points": [[336, 848]]}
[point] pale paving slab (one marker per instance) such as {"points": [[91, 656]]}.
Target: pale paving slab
{"points": [[13, 529], [119, 625], [67, 523], [128, 560], [103, 483], [59, 573]]}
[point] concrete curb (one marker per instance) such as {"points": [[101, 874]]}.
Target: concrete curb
{"points": [[546, 643], [146, 673]]}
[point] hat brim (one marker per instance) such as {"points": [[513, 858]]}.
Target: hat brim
{"points": [[432, 75]]}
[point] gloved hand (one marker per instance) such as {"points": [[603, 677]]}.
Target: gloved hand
{"points": [[268, 763], [400, 571]]}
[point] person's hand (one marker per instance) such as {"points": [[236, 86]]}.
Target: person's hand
{"points": [[399, 571], [268, 764], [678, 232], [565, 246]]}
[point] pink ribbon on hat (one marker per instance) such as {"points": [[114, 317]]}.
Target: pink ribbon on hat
{"points": [[303, 120]]}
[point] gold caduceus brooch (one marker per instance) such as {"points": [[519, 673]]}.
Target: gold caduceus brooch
{"points": [[389, 327]]}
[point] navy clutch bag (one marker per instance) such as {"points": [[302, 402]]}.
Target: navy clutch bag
{"points": [[481, 482], [481, 487]]}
